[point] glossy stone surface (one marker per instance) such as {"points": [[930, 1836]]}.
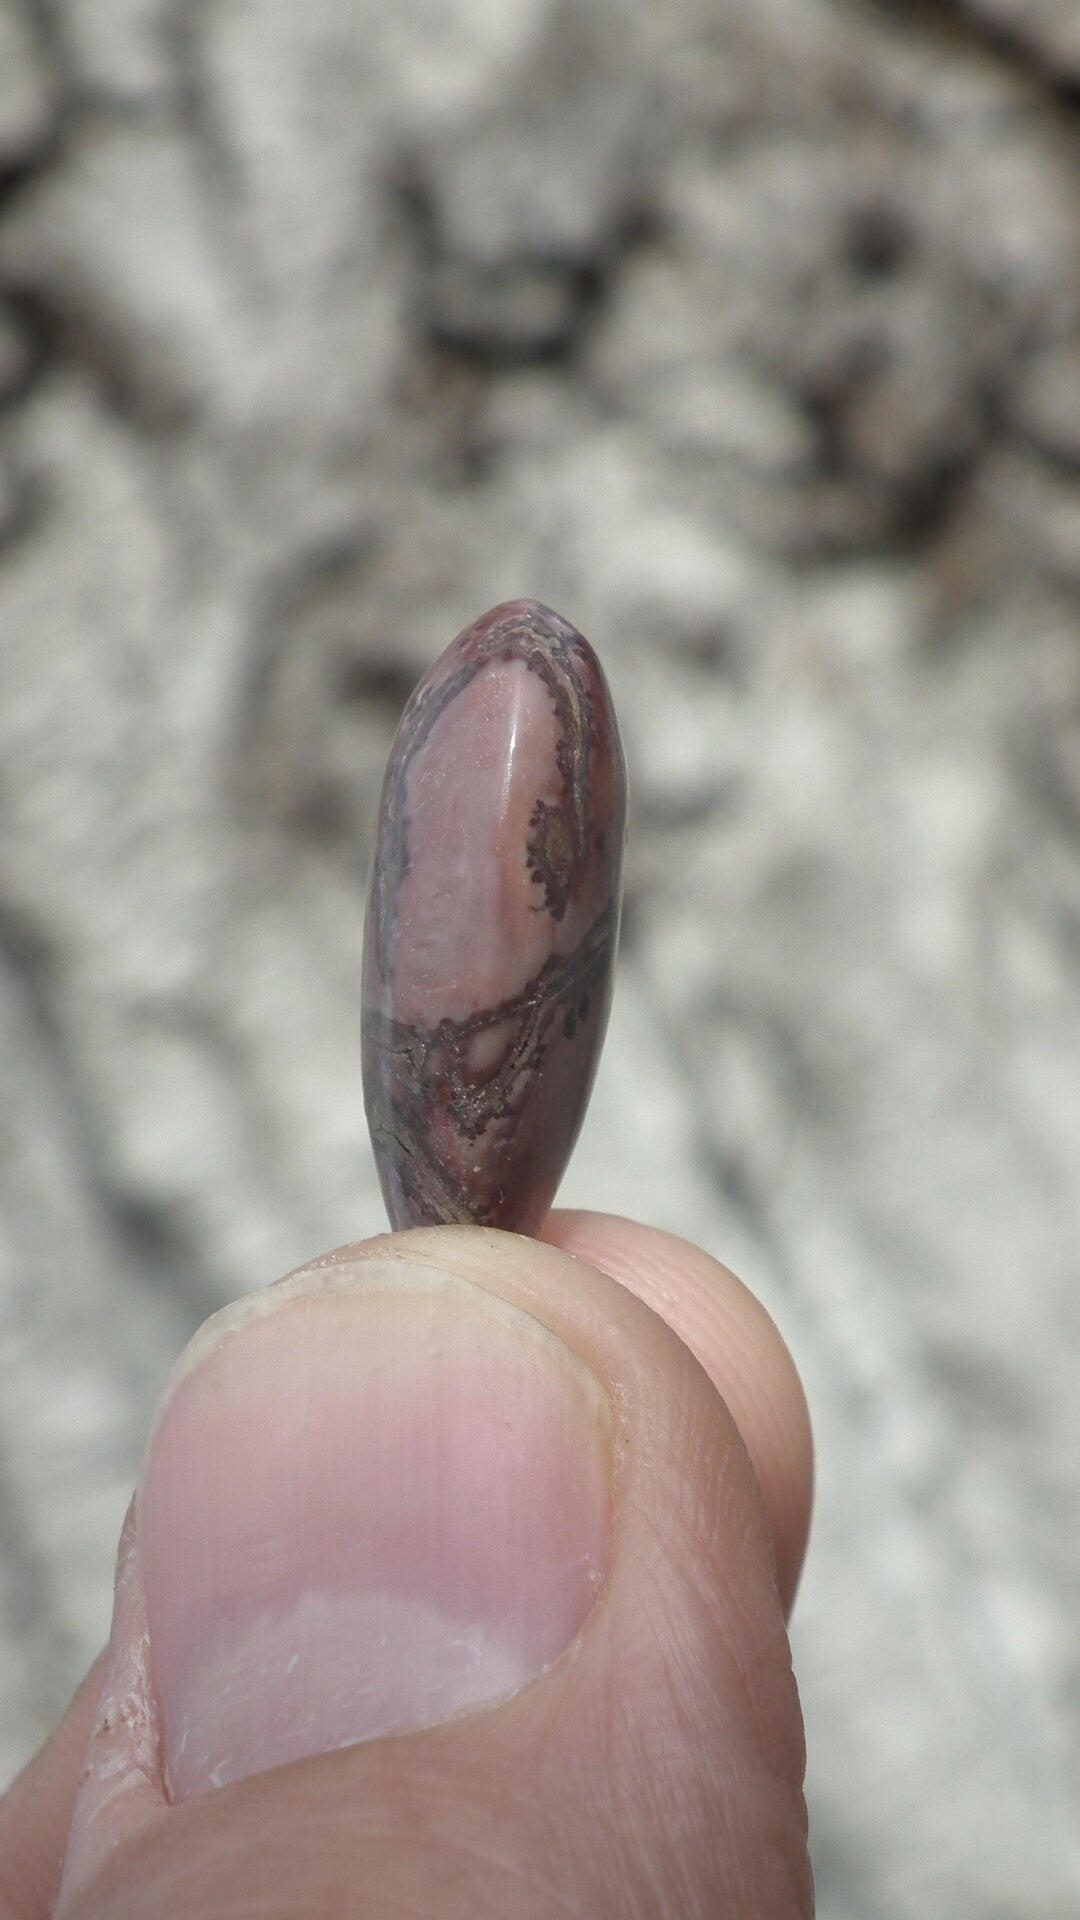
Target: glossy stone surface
{"points": [[492, 922]]}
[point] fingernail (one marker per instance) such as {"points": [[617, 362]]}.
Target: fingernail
{"points": [[375, 1496]]}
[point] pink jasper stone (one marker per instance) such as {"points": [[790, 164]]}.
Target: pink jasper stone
{"points": [[492, 922]]}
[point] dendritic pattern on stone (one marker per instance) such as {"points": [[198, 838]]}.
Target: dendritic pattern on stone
{"points": [[492, 924]]}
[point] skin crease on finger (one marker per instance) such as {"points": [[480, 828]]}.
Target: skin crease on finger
{"points": [[36, 1810], [656, 1767], [729, 1332]]}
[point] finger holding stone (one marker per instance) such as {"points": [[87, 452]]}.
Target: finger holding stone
{"points": [[442, 1548]]}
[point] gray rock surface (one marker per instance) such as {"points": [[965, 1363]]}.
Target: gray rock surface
{"points": [[1047, 31], [748, 333]]}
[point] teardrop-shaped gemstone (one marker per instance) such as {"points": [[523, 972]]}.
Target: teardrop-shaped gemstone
{"points": [[492, 922]]}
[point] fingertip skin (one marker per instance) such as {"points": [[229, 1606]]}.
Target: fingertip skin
{"points": [[742, 1350], [35, 1811], [492, 923]]}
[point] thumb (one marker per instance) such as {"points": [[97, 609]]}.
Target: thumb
{"points": [[447, 1588]]}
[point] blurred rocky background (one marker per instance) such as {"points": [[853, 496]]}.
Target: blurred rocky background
{"points": [[746, 332]]}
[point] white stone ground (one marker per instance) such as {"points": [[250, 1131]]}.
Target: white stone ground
{"points": [[747, 332]]}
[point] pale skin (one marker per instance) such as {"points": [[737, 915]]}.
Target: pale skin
{"points": [[656, 1770]]}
